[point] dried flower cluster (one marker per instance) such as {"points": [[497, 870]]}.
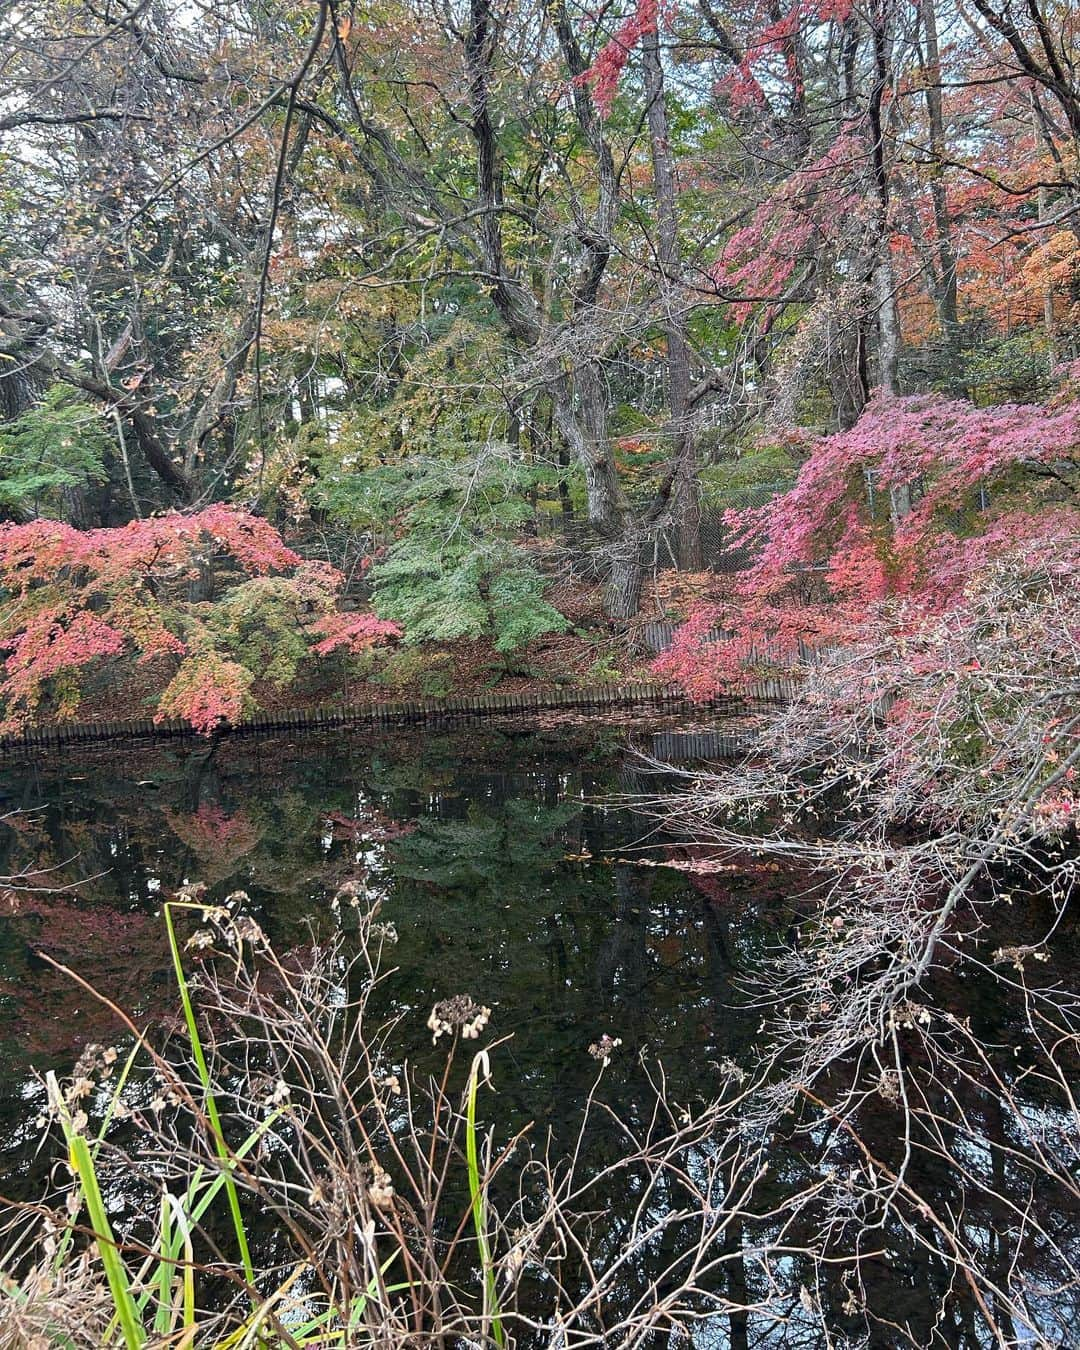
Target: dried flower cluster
{"points": [[461, 1013], [604, 1048]]}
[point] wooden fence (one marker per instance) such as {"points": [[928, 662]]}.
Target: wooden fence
{"points": [[596, 700]]}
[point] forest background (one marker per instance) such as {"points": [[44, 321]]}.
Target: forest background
{"points": [[414, 343]]}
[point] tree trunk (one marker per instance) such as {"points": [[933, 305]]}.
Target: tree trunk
{"points": [[945, 288], [845, 372], [214, 408], [888, 321], [1049, 325], [566, 504], [882, 278], [685, 509], [76, 508], [622, 592], [580, 409], [578, 395]]}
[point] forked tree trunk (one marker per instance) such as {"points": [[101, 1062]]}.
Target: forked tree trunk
{"points": [[581, 419], [579, 395], [846, 367], [580, 409]]}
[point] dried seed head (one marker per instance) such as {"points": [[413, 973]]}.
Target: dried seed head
{"points": [[381, 1190], [246, 929], [460, 1013], [278, 1093], [604, 1048]]}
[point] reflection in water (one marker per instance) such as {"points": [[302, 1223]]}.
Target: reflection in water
{"points": [[499, 868]]}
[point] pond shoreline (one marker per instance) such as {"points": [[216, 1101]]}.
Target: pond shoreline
{"points": [[601, 699]]}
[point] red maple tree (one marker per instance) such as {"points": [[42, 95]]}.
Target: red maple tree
{"points": [[75, 598]]}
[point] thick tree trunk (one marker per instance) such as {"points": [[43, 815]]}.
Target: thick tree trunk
{"points": [[846, 372], [883, 279], [580, 412], [579, 397], [888, 321], [214, 408], [1038, 126], [76, 508], [581, 419], [622, 592]]}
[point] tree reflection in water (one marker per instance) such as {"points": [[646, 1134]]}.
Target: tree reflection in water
{"points": [[937, 1211]]}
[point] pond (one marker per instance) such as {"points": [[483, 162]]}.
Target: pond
{"points": [[496, 853], [510, 872]]}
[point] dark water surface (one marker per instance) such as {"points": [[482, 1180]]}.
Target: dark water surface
{"points": [[495, 853], [506, 877]]}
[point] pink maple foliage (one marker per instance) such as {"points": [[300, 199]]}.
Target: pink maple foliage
{"points": [[828, 571], [771, 35], [208, 691], [807, 211], [355, 632], [73, 598], [45, 647], [33, 552]]}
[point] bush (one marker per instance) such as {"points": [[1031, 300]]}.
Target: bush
{"points": [[143, 591], [438, 591], [415, 668], [383, 1185]]}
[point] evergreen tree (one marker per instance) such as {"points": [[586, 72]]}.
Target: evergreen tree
{"points": [[58, 444]]}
